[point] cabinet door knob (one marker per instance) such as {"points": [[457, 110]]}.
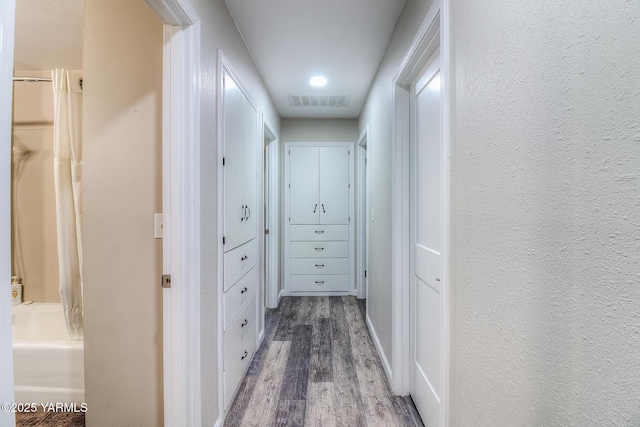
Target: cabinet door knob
{"points": [[319, 249]]}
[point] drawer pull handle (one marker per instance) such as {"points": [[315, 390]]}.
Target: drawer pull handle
{"points": [[244, 213], [245, 355], [315, 208], [244, 323], [319, 282], [244, 258], [319, 231], [323, 211], [249, 214], [319, 249], [319, 265], [437, 279], [244, 290]]}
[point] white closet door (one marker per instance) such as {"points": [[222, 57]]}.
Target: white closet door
{"points": [[304, 207], [240, 171], [427, 362], [334, 185]]}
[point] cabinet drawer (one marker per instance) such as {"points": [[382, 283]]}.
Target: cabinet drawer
{"points": [[320, 266], [319, 249], [319, 283], [238, 262], [236, 298], [319, 232], [237, 332], [234, 373]]}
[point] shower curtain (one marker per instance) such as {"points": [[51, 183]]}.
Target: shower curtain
{"points": [[67, 155]]}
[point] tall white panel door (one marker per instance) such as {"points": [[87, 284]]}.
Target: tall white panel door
{"points": [[240, 168], [304, 179], [334, 185], [427, 234]]}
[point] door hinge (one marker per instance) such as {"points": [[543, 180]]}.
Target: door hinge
{"points": [[223, 240], [266, 231], [349, 152], [289, 219], [365, 273], [365, 161], [349, 219], [289, 185], [349, 185], [223, 161], [166, 281]]}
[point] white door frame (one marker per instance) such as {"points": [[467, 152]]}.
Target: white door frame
{"points": [[433, 33], [181, 209], [7, 23], [362, 230], [272, 175]]}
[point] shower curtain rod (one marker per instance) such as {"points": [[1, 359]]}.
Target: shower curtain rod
{"points": [[32, 79]]}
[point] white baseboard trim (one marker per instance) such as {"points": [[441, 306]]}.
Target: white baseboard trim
{"points": [[280, 295], [219, 423], [260, 338], [383, 358]]}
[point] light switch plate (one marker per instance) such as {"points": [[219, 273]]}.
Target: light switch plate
{"points": [[158, 226]]}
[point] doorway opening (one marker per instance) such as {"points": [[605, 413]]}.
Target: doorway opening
{"points": [[271, 197], [362, 207]]}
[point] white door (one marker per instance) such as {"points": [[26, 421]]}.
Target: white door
{"points": [[304, 182], [334, 185], [427, 236], [240, 167]]}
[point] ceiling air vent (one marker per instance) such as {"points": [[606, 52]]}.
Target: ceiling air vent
{"points": [[319, 100]]}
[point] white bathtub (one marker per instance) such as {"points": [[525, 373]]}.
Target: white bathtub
{"points": [[47, 366]]}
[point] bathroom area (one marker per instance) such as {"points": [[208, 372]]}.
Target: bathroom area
{"points": [[46, 200]]}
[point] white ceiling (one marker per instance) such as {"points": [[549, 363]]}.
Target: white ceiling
{"points": [[293, 40], [48, 34], [290, 41]]}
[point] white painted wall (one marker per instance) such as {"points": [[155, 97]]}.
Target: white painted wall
{"points": [[218, 32], [545, 282], [378, 113], [319, 130]]}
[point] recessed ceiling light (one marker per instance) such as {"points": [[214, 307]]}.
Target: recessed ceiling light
{"points": [[318, 81]]}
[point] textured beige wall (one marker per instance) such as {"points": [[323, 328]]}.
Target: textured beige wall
{"points": [[122, 190], [34, 249], [545, 225]]}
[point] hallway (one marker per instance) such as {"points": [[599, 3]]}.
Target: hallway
{"points": [[318, 367]]}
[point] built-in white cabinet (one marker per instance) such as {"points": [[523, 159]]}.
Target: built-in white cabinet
{"points": [[239, 145], [319, 243]]}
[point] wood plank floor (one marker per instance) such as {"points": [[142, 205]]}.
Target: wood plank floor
{"points": [[318, 366]]}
